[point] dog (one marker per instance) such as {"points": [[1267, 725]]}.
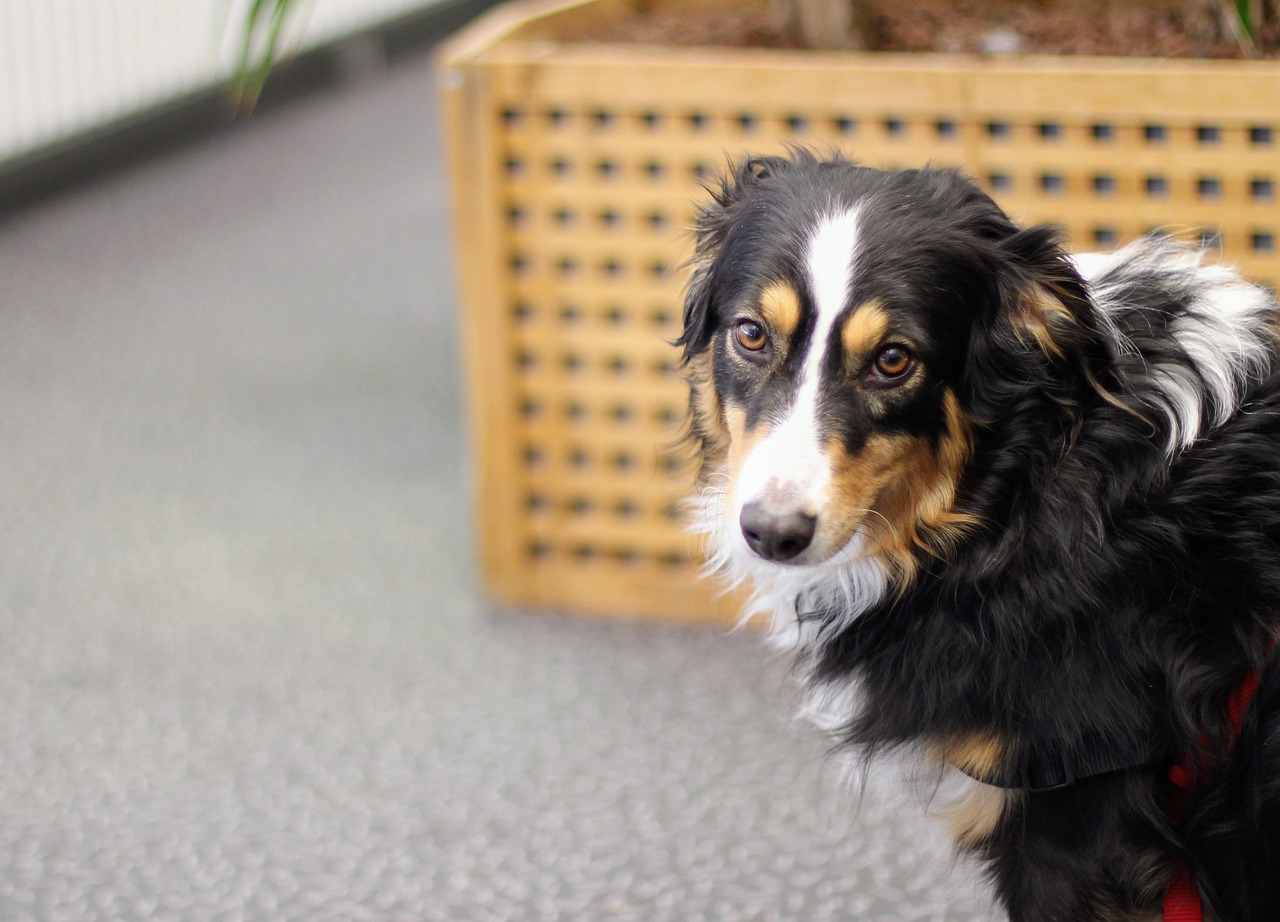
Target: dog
{"points": [[1019, 514]]}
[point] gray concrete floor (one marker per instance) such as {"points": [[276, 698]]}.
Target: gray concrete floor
{"points": [[245, 667]]}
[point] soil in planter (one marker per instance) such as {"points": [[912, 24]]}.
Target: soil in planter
{"points": [[1129, 28]]}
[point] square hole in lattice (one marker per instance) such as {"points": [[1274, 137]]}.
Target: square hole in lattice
{"points": [[946, 128], [1053, 183], [1105, 237], [1262, 242], [895, 127], [1210, 239], [1155, 134], [662, 317], [673, 560], [1104, 184], [999, 130], [1261, 135], [1049, 131], [518, 215], [626, 509], [1156, 186], [1208, 134], [621, 413], [1101, 131], [1263, 189], [1000, 182], [1209, 187], [628, 555], [844, 124]]}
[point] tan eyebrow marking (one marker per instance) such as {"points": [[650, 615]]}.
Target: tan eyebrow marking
{"points": [[780, 306], [865, 328]]}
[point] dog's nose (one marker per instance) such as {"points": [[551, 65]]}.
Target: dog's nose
{"points": [[776, 535]]}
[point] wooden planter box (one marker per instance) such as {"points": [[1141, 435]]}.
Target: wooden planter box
{"points": [[576, 171]]}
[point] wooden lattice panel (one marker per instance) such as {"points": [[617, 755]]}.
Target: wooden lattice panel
{"points": [[578, 170]]}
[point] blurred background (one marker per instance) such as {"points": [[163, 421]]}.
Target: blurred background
{"points": [[247, 666]]}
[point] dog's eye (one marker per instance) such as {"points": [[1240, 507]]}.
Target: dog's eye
{"points": [[893, 362], [750, 335]]}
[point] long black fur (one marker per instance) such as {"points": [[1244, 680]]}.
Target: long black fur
{"points": [[1114, 593]]}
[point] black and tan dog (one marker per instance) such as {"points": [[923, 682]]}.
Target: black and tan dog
{"points": [[1020, 514]]}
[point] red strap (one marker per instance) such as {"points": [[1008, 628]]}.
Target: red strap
{"points": [[1241, 695], [1182, 900]]}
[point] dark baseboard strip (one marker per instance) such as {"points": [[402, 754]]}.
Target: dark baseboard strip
{"points": [[64, 165]]}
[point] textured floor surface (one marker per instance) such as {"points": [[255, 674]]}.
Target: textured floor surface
{"points": [[245, 669]]}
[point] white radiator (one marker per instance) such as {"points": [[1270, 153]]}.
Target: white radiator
{"points": [[70, 66]]}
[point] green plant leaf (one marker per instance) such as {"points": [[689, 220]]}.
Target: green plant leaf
{"points": [[263, 25]]}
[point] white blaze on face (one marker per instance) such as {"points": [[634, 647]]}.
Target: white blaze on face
{"points": [[788, 468]]}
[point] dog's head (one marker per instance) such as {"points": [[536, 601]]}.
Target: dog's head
{"points": [[847, 331]]}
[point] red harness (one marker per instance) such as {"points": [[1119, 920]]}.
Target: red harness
{"points": [[1182, 900]]}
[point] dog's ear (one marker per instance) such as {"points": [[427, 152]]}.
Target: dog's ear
{"points": [[1044, 335], [728, 198], [1042, 296]]}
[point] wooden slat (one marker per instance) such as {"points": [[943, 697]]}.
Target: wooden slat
{"points": [[485, 288], [616, 589]]}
